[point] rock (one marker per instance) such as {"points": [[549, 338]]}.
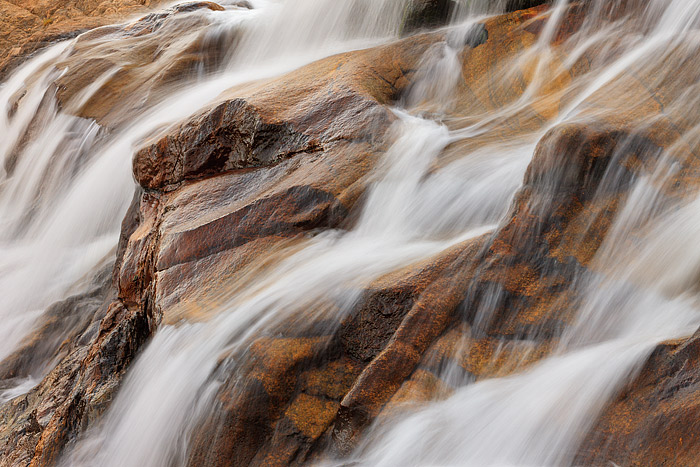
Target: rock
{"points": [[348, 133], [246, 405], [383, 306], [427, 14], [428, 317], [513, 5], [30, 26], [74, 393], [251, 128], [192, 6], [575, 183], [655, 420], [232, 136], [310, 154], [89, 389], [206, 224], [166, 50]]}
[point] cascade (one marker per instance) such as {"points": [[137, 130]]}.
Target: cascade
{"points": [[350, 243]]}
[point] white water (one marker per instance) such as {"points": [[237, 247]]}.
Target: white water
{"points": [[539, 416], [61, 208], [333, 266]]}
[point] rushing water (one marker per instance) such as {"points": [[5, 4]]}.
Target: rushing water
{"points": [[66, 184], [63, 193]]}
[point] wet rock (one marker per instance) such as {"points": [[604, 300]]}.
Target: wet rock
{"points": [[232, 136], [512, 5], [429, 315], [248, 180], [383, 307], [493, 78], [290, 213], [481, 358], [348, 130], [37, 425], [136, 265], [162, 53], [30, 26], [438, 308], [211, 212], [427, 14], [154, 21], [655, 420], [274, 418], [335, 99], [192, 6], [92, 384], [579, 177], [246, 405]]}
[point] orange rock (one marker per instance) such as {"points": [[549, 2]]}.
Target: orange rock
{"points": [[256, 396], [30, 25], [655, 420], [160, 53]]}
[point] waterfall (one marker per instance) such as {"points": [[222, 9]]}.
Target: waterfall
{"points": [[66, 182], [539, 416], [452, 173]]}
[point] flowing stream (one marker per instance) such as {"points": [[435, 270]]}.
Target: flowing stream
{"points": [[65, 184]]}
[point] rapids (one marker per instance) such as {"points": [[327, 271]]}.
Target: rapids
{"points": [[450, 175]]}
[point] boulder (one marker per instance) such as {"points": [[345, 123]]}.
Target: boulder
{"points": [[422, 14]]}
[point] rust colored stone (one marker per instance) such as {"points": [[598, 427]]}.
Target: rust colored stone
{"points": [[31, 25], [656, 419]]}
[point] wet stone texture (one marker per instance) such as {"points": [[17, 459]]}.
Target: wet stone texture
{"points": [[30, 25], [655, 420]]}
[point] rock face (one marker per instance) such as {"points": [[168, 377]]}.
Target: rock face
{"points": [[30, 25], [250, 178], [199, 218], [427, 14], [166, 51], [513, 5], [654, 421]]}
